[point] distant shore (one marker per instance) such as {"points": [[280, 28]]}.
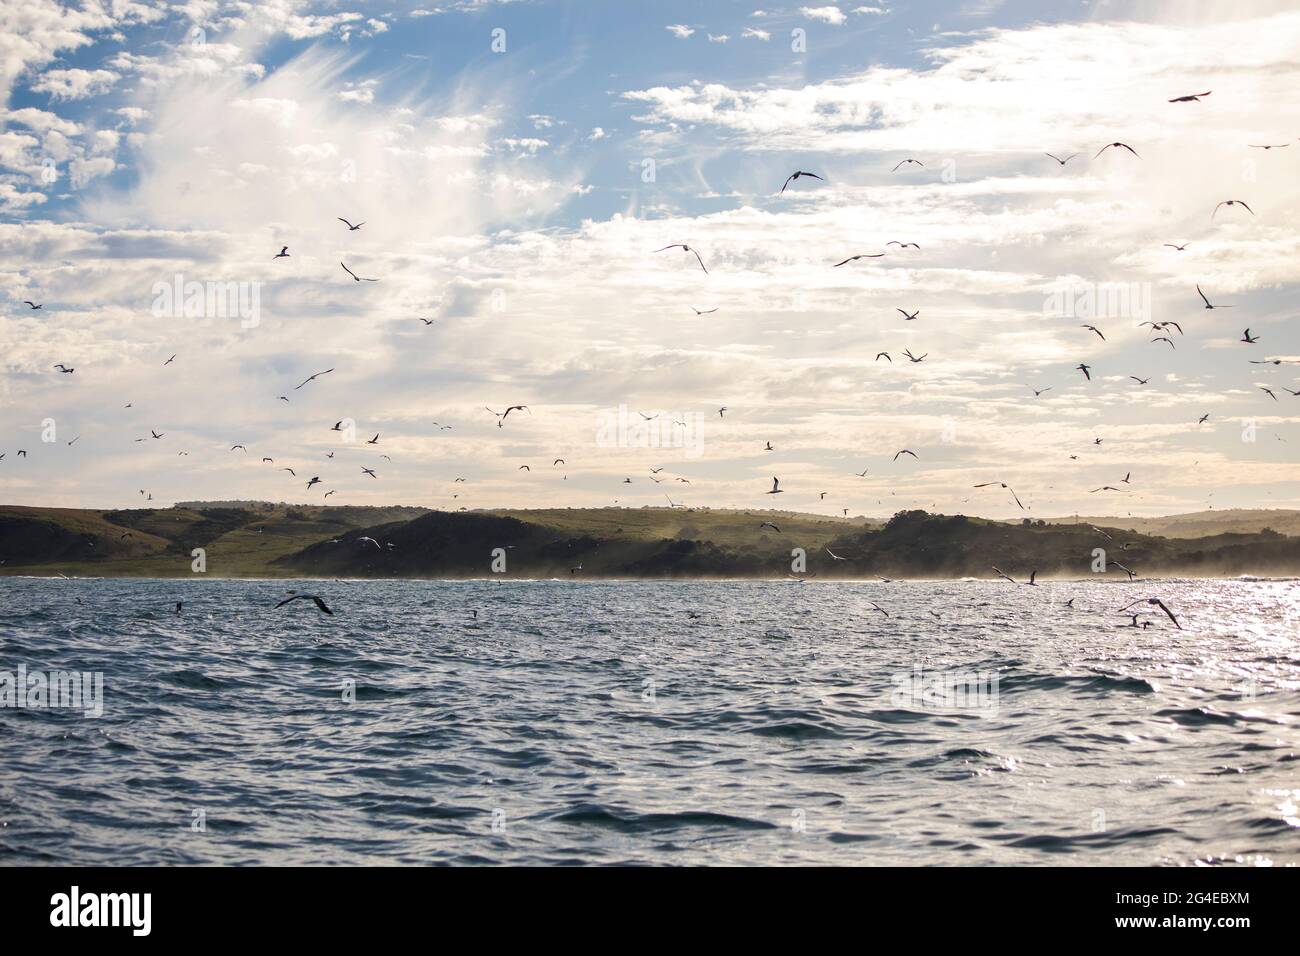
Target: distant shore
{"points": [[257, 541]]}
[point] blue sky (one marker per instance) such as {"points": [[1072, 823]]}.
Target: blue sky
{"points": [[515, 197]]}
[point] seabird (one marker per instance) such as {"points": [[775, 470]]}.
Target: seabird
{"points": [[312, 378], [1207, 301], [795, 175], [355, 276], [1231, 202], [865, 255], [351, 228], [685, 248], [309, 597], [776, 487], [1119, 145], [1158, 603], [1002, 484]]}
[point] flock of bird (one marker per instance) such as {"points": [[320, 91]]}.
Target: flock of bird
{"points": [[1166, 330]]}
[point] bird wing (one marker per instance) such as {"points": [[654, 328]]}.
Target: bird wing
{"points": [[1161, 605]]}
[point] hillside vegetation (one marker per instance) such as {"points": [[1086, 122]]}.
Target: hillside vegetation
{"points": [[264, 540]]}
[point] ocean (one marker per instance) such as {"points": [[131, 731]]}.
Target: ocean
{"points": [[656, 723]]}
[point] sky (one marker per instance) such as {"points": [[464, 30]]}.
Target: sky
{"points": [[517, 165]]}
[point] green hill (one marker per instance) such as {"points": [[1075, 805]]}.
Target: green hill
{"points": [[257, 539]]}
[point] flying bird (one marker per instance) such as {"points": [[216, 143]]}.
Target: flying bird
{"points": [[1086, 370], [1231, 202], [282, 254], [795, 175], [1248, 338], [905, 162], [1117, 145], [1171, 245], [1191, 97], [704, 311], [1093, 328], [865, 255], [1002, 484], [1208, 305], [312, 378], [906, 316], [351, 228], [308, 597], [356, 277], [501, 416], [1060, 160], [169, 361], [768, 524], [685, 248], [64, 369], [1160, 604], [32, 305], [905, 451], [776, 487]]}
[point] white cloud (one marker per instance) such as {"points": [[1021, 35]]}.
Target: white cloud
{"points": [[680, 30], [74, 84], [832, 15], [756, 34]]}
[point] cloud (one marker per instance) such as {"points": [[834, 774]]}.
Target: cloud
{"points": [[680, 31], [829, 14], [75, 84]]}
